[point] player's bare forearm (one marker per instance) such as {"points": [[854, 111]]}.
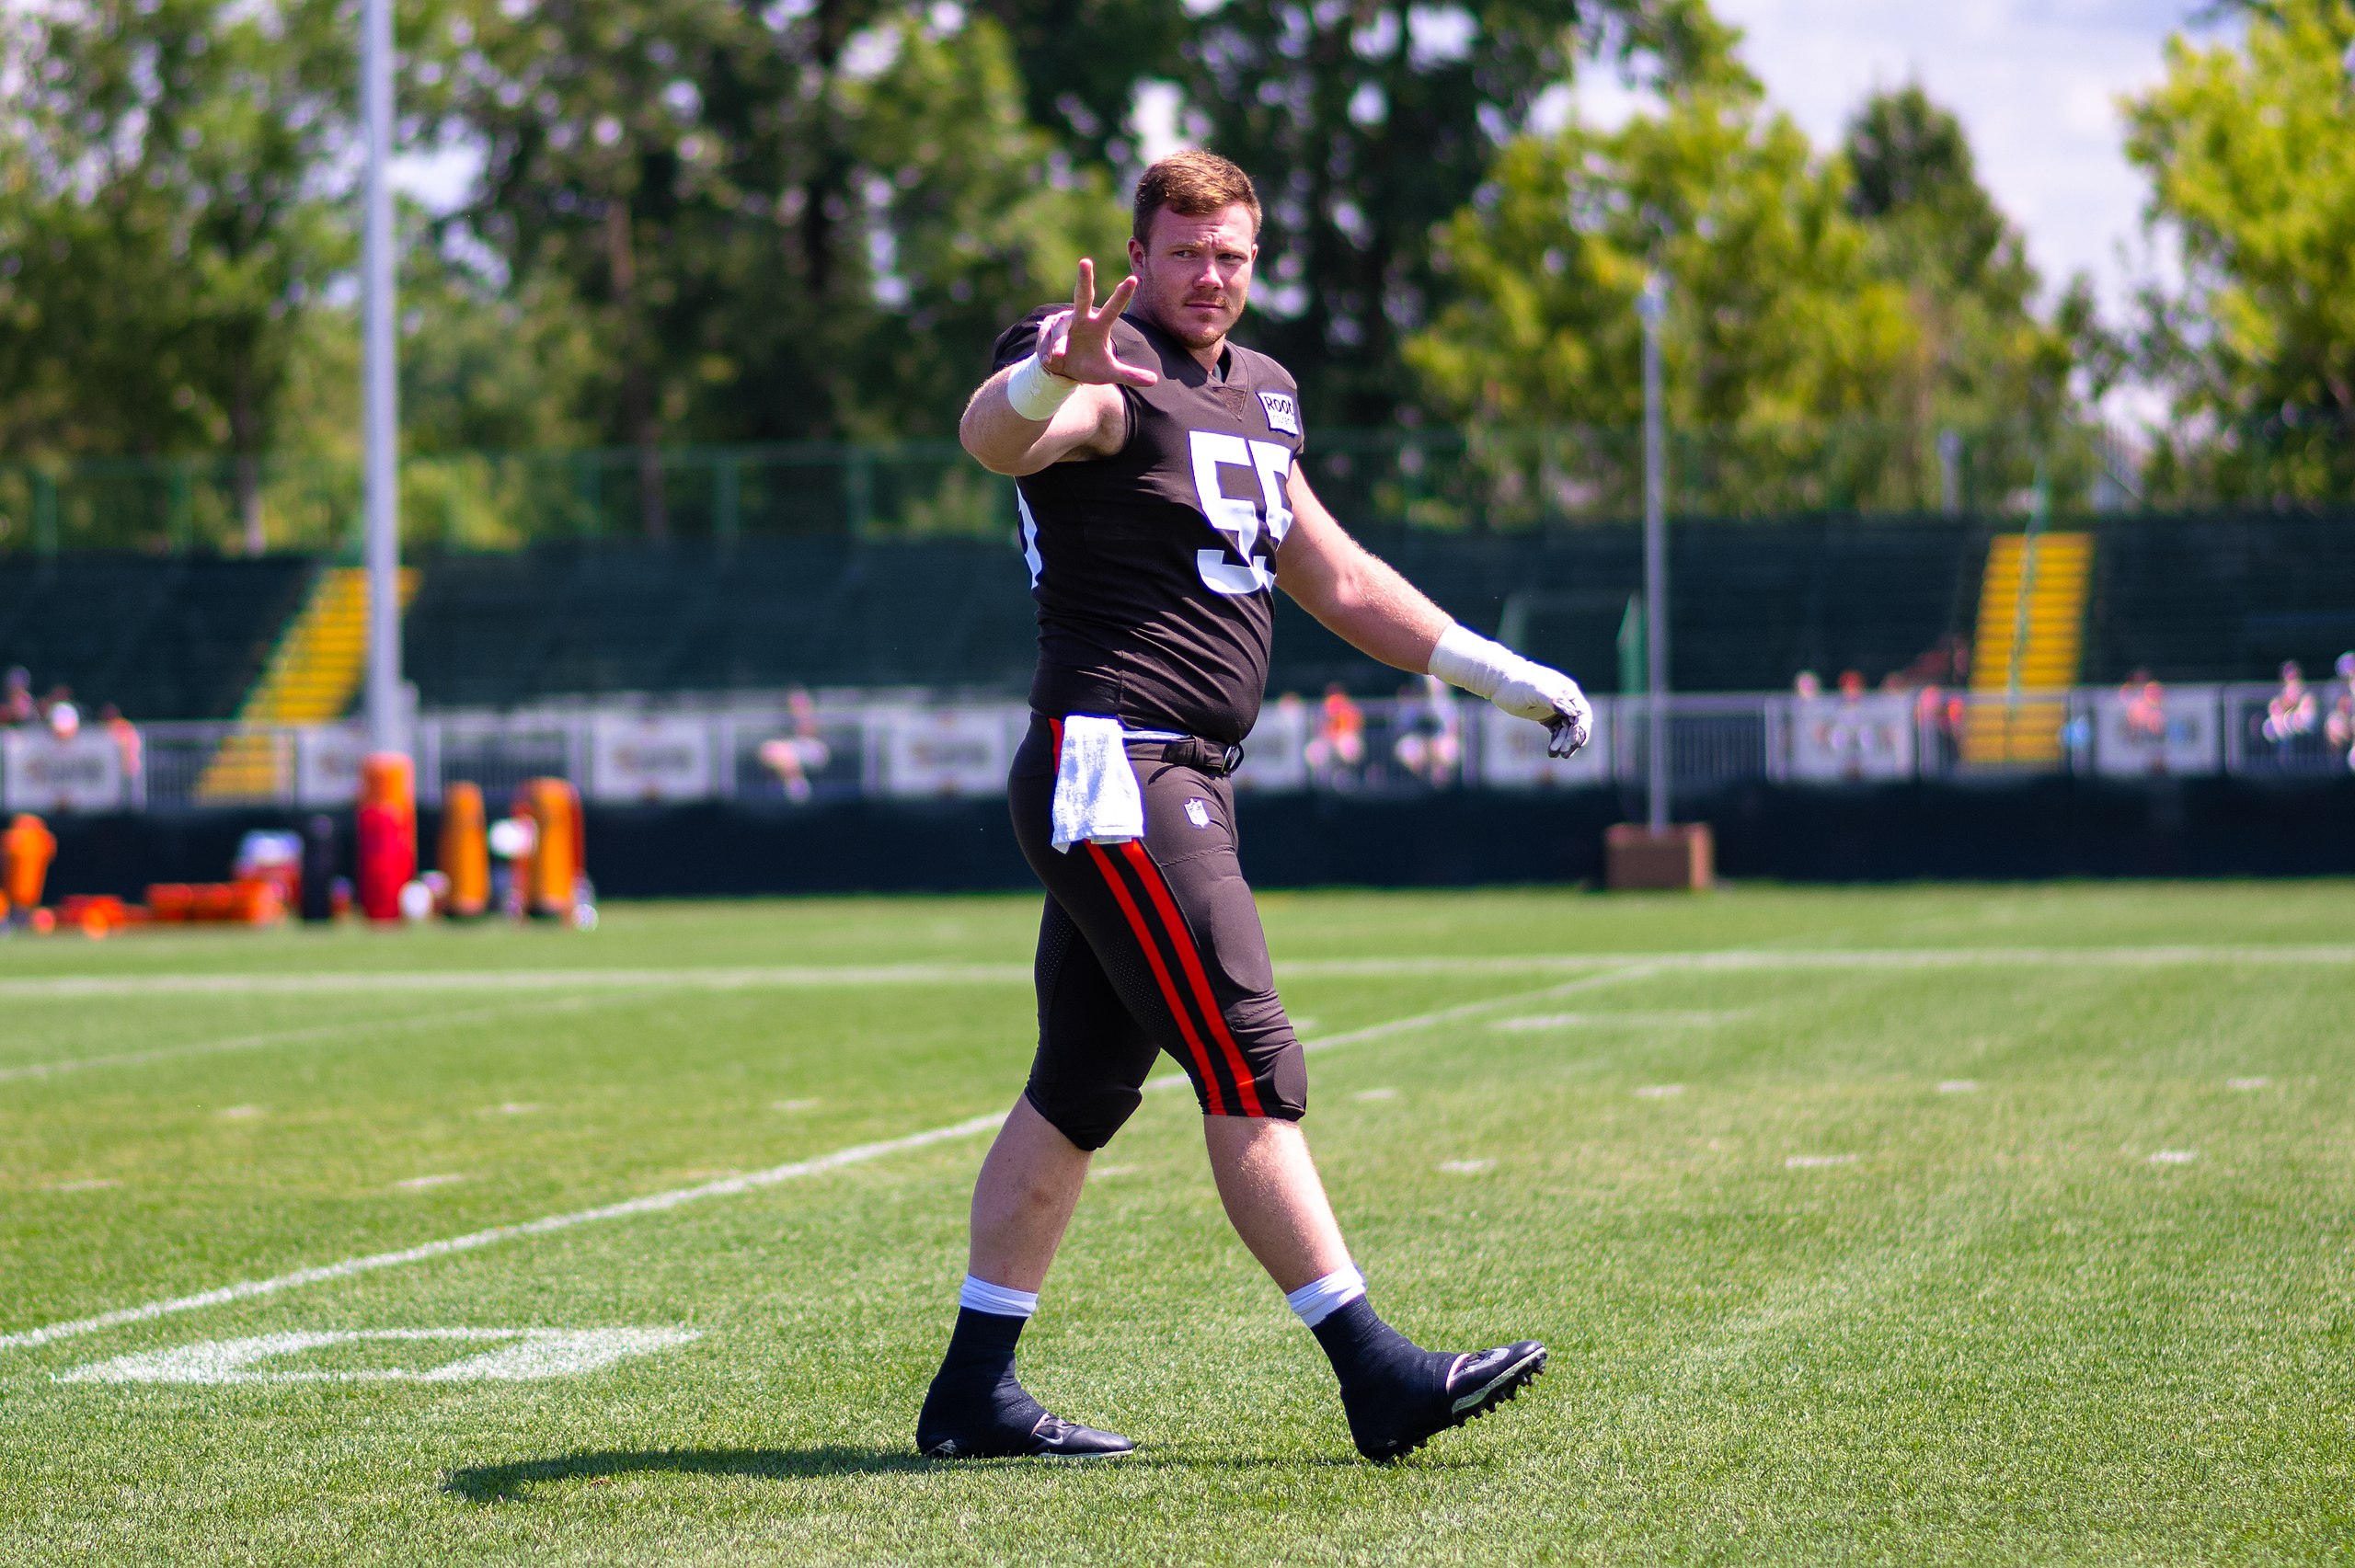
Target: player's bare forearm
{"points": [[1354, 593], [1003, 441]]}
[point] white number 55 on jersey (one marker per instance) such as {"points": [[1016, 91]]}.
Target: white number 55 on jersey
{"points": [[1240, 520]]}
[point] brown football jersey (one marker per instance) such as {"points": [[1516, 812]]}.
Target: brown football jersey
{"points": [[1153, 570]]}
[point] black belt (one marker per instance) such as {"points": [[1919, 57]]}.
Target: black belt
{"points": [[1204, 756]]}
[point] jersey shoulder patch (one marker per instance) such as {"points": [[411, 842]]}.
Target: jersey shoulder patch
{"points": [[1283, 410]]}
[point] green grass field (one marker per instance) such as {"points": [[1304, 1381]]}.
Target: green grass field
{"points": [[1932, 1225]]}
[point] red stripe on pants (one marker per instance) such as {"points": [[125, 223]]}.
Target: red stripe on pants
{"points": [[1192, 961], [1161, 974]]}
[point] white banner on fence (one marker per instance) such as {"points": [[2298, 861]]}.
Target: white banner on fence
{"points": [[326, 765], [2177, 732], [651, 757], [44, 773], [1512, 751], [1275, 754], [945, 752], [1836, 740]]}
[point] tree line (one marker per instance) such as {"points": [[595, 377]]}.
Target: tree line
{"points": [[706, 221]]}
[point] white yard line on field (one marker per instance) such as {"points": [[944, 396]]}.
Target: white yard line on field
{"points": [[788, 977], [1622, 968], [313, 983], [655, 1203]]}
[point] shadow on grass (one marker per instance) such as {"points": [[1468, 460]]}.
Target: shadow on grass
{"points": [[492, 1484], [500, 1483]]}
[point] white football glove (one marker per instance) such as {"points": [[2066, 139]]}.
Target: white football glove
{"points": [[1522, 687], [1551, 698]]}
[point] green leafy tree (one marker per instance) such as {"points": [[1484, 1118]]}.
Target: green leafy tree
{"points": [[1080, 62], [487, 365], [1988, 367], [1779, 327], [786, 223], [982, 216], [1937, 231], [660, 162], [2250, 149], [169, 226], [1366, 125]]}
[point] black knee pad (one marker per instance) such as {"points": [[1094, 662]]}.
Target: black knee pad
{"points": [[1089, 1116]]}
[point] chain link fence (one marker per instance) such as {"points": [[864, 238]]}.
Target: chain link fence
{"points": [[1451, 479]]}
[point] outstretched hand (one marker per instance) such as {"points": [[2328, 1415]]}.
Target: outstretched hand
{"points": [[1549, 697], [1077, 344]]}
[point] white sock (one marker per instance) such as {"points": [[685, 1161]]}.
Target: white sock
{"points": [[1320, 1299], [996, 1299]]}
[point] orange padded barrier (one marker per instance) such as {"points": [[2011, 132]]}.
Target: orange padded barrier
{"points": [[551, 877], [464, 853], [26, 850]]}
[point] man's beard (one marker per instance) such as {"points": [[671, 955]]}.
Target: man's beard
{"points": [[1191, 331]]}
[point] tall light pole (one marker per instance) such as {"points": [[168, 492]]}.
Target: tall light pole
{"points": [[380, 425], [1652, 306]]}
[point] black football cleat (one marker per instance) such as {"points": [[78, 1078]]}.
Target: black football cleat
{"points": [[966, 1418], [1052, 1438], [1391, 1417]]}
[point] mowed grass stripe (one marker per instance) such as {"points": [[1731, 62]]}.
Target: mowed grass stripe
{"points": [[1997, 1333], [652, 1203], [1619, 974], [891, 975], [317, 1032], [655, 1203]]}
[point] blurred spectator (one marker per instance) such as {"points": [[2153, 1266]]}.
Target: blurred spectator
{"points": [[2291, 715], [130, 749], [1806, 686], [2145, 705], [1430, 734], [2340, 729], [65, 719], [1337, 748], [1937, 720], [1852, 685], [16, 697], [793, 757]]}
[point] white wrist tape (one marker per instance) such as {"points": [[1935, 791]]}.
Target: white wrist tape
{"points": [[1465, 658], [1035, 389], [1037, 392]]}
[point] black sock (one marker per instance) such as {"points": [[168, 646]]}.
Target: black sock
{"points": [[1368, 1354], [976, 1393]]}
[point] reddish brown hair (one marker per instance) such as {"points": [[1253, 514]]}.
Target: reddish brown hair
{"points": [[1192, 184]]}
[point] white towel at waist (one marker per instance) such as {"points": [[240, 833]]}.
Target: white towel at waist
{"points": [[1097, 798]]}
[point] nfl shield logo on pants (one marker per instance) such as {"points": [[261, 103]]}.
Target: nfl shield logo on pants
{"points": [[1198, 812]]}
